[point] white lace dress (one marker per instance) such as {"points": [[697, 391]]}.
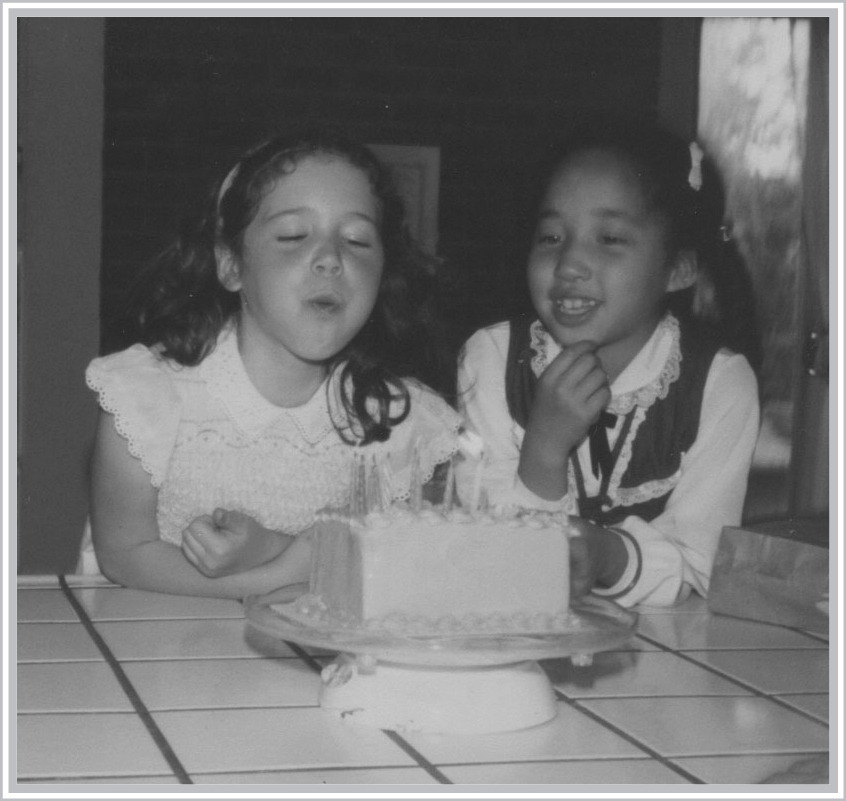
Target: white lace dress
{"points": [[708, 490], [208, 438]]}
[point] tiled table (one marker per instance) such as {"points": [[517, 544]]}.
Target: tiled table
{"points": [[116, 686]]}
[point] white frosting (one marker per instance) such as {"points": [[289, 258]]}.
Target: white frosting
{"points": [[431, 573]]}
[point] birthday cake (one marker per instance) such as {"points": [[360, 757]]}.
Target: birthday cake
{"points": [[434, 572]]}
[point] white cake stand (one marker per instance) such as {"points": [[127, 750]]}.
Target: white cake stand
{"points": [[457, 684]]}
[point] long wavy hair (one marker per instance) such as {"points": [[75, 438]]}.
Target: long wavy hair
{"points": [[180, 306]]}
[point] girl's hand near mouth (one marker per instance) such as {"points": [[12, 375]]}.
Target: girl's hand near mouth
{"points": [[571, 394]]}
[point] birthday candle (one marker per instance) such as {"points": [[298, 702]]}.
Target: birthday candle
{"points": [[450, 481], [386, 483], [416, 488], [352, 484], [357, 485], [476, 495], [374, 491], [362, 484]]}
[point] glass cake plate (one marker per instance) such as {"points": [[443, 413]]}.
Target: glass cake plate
{"points": [[596, 625]]}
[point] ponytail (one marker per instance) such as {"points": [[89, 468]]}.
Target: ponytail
{"points": [[722, 299]]}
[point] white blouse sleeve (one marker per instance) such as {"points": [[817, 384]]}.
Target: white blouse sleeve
{"points": [[484, 410], [430, 430], [679, 545], [134, 386]]}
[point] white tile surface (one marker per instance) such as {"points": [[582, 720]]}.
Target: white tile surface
{"points": [[571, 734], [409, 778], [751, 770], [773, 671], [171, 639], [620, 673], [77, 746], [699, 632], [816, 704], [713, 726], [117, 603], [70, 687], [44, 605], [117, 782], [597, 771], [238, 706], [224, 683], [51, 642], [235, 740]]}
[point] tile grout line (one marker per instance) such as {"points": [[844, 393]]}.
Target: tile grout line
{"points": [[811, 634], [739, 682], [409, 749], [305, 656], [469, 764], [137, 704], [665, 761], [397, 739]]}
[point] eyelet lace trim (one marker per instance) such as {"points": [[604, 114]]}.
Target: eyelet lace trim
{"points": [[539, 338], [625, 456], [628, 496], [280, 470], [644, 396], [658, 388], [109, 398], [646, 492], [299, 478]]}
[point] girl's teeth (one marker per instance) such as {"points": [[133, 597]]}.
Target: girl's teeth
{"points": [[576, 304]]}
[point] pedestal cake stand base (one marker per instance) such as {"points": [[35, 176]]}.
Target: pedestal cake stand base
{"points": [[438, 700]]}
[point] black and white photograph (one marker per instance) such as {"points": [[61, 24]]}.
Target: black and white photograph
{"points": [[422, 399]]}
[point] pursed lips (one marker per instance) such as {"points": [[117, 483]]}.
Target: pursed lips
{"points": [[325, 301]]}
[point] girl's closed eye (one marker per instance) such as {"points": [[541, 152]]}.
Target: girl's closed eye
{"points": [[614, 234], [548, 236], [360, 241], [288, 233], [613, 239], [363, 236]]}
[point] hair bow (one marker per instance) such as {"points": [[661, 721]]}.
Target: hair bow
{"points": [[694, 177]]}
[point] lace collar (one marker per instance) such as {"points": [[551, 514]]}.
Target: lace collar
{"points": [[227, 380], [646, 378]]}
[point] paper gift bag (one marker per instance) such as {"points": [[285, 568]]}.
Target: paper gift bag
{"points": [[775, 579]]}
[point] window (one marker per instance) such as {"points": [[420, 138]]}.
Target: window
{"points": [[753, 120]]}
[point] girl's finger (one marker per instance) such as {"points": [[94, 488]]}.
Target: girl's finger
{"points": [[189, 553], [598, 401], [589, 380], [203, 528], [230, 520], [568, 356], [193, 539], [581, 368]]}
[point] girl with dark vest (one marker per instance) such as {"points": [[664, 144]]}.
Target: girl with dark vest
{"points": [[623, 397]]}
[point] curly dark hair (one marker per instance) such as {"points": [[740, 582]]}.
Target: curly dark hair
{"points": [[180, 306]]}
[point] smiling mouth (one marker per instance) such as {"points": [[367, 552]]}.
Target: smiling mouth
{"points": [[574, 305]]}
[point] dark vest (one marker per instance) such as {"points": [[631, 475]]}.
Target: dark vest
{"points": [[667, 432]]}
